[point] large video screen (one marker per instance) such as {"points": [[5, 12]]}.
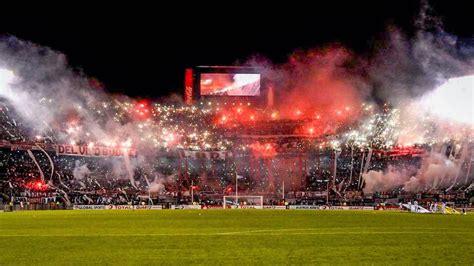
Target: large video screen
{"points": [[230, 84]]}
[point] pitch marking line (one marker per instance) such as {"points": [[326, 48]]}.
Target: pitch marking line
{"points": [[307, 231]]}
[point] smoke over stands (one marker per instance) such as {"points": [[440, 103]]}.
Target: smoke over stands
{"points": [[338, 117]]}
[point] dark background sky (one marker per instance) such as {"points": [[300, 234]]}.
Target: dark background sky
{"points": [[143, 51]]}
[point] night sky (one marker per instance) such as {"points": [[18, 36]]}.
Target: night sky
{"points": [[143, 51]]}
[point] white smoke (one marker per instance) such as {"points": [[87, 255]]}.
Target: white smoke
{"points": [[437, 171], [384, 180], [158, 184], [80, 171], [51, 97], [54, 100], [157, 187]]}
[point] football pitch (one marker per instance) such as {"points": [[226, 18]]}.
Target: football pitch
{"points": [[234, 237]]}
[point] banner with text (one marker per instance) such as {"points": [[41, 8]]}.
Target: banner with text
{"points": [[76, 150]]}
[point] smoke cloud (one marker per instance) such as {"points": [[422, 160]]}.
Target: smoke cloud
{"points": [[437, 171], [80, 171]]}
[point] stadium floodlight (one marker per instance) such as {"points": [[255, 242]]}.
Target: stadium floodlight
{"points": [[243, 202]]}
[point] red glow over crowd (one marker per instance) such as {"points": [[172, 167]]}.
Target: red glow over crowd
{"points": [[37, 185]]}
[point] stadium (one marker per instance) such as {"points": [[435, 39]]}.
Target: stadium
{"points": [[289, 164]]}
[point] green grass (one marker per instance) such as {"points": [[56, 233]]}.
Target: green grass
{"points": [[234, 237]]}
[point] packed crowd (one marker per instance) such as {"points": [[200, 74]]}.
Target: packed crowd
{"points": [[302, 168]]}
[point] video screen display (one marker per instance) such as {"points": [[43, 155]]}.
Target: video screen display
{"points": [[230, 84]]}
